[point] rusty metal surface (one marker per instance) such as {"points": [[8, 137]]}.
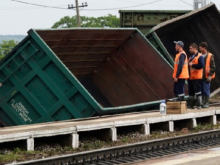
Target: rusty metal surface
{"points": [[197, 26], [144, 20], [117, 67], [83, 50]]}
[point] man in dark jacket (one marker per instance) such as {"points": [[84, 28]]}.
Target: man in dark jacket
{"points": [[196, 63], [180, 73], [208, 72]]}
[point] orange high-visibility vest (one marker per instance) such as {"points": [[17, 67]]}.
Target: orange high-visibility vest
{"points": [[196, 74], [207, 65], [185, 73]]}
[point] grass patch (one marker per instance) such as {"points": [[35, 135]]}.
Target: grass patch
{"points": [[205, 127], [8, 156], [125, 140]]}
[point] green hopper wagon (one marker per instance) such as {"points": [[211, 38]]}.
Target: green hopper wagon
{"points": [[62, 74]]}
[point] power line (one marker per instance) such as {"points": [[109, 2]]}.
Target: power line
{"points": [[86, 9], [40, 5], [81, 9], [124, 7], [157, 5], [103, 12], [186, 2], [128, 1], [20, 8], [95, 4]]}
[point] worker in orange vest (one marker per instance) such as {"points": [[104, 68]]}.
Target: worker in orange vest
{"points": [[181, 72], [196, 63], [208, 72]]}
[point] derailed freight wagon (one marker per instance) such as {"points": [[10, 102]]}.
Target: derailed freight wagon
{"points": [[197, 26], [144, 20], [76, 73]]}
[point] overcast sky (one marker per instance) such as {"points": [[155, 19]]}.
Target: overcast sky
{"points": [[17, 18]]}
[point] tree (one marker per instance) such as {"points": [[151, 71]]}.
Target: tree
{"points": [[104, 21], [6, 47]]}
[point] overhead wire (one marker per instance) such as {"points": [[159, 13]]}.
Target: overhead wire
{"points": [[86, 9], [126, 6], [186, 2], [98, 9], [103, 12], [34, 4], [128, 1], [18, 8]]}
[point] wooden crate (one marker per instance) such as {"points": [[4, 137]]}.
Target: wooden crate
{"points": [[176, 107]]}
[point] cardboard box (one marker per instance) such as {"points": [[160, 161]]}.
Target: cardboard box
{"points": [[176, 107]]}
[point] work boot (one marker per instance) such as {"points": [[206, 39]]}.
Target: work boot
{"points": [[199, 102], [206, 102], [203, 99], [190, 102]]}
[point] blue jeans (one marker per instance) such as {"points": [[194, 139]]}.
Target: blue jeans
{"points": [[205, 88]]}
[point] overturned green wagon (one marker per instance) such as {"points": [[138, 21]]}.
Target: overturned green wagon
{"points": [[76, 73]]}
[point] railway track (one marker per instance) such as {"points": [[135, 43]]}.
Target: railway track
{"points": [[136, 152], [214, 104]]}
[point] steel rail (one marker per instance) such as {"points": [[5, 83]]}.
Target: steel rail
{"points": [[135, 152]]}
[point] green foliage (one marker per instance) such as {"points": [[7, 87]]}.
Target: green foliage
{"points": [[205, 127], [8, 157], [125, 139], [17, 150], [11, 37], [6, 47], [199, 127], [104, 21], [1, 57]]}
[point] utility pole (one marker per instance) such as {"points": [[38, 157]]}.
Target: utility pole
{"points": [[77, 14], [77, 11]]}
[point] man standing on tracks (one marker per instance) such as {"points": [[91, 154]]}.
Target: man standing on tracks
{"points": [[208, 72], [181, 72], [196, 63]]}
